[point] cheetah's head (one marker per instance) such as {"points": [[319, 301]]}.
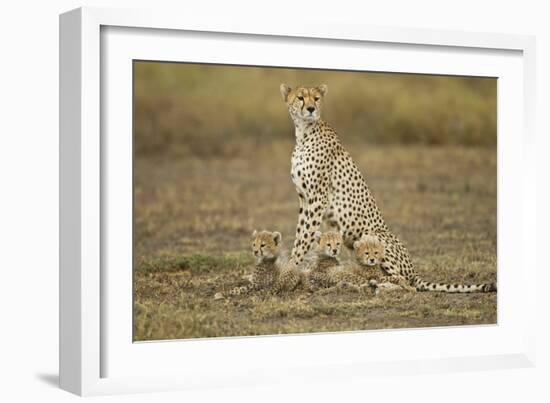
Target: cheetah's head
{"points": [[369, 250], [265, 244], [304, 103], [329, 243]]}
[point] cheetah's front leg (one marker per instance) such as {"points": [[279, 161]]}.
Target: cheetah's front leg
{"points": [[302, 214], [309, 221], [399, 281]]}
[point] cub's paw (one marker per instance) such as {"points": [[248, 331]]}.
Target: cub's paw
{"points": [[370, 288], [387, 286]]}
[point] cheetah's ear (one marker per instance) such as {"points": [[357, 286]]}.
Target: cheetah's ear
{"points": [[277, 237], [254, 233], [285, 90], [317, 236], [323, 89], [356, 244]]}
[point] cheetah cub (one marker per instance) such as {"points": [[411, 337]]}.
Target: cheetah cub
{"points": [[271, 273], [324, 259], [328, 273], [370, 252]]}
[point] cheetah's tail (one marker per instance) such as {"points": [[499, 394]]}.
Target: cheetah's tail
{"points": [[422, 285]]}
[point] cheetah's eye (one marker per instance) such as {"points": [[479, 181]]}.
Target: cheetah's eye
{"points": [[376, 253], [301, 98], [366, 253], [317, 98], [262, 245]]}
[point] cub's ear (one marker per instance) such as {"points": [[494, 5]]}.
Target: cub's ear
{"points": [[277, 237], [356, 244], [285, 90], [255, 233], [323, 89], [317, 236]]}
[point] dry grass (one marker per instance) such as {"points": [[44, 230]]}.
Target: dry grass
{"points": [[212, 163], [206, 110], [194, 216]]}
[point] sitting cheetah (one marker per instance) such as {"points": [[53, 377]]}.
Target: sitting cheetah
{"points": [[330, 187], [326, 271], [271, 274]]}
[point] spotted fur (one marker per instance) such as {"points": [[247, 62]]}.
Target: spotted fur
{"points": [[271, 273], [331, 188], [327, 271], [370, 253], [398, 266]]}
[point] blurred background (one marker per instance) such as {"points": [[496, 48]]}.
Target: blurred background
{"points": [[212, 163], [183, 109]]}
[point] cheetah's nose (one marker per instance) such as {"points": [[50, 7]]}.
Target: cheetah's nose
{"points": [[311, 109], [335, 251]]}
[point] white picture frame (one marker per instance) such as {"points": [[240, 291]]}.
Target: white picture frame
{"points": [[96, 355]]}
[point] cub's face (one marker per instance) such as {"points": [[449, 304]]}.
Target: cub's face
{"points": [[304, 103], [369, 250], [329, 243], [265, 244]]}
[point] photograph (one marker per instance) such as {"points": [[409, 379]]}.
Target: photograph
{"points": [[277, 200]]}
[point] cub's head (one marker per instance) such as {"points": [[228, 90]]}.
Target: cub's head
{"points": [[304, 103], [265, 244], [329, 243], [369, 250]]}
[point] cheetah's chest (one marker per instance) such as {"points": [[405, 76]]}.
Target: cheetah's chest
{"points": [[299, 170]]}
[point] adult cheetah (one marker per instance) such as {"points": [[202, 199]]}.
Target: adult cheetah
{"points": [[330, 187]]}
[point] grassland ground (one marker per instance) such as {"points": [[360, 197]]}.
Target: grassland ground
{"points": [[193, 219]]}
